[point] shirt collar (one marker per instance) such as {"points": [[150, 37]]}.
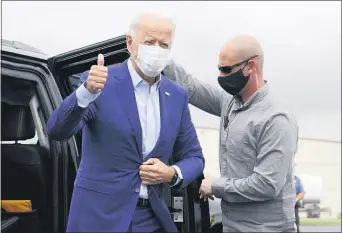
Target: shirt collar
{"points": [[256, 97], [136, 79]]}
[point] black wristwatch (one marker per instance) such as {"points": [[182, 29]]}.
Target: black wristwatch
{"points": [[174, 179]]}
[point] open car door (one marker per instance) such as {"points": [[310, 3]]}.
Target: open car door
{"points": [[190, 213], [34, 169]]}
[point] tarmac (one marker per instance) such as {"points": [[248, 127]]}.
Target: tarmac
{"points": [[320, 228]]}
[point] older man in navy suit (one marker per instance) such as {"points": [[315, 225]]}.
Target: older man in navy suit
{"points": [[133, 119]]}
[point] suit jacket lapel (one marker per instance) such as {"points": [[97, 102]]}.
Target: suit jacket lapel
{"points": [[128, 101]]}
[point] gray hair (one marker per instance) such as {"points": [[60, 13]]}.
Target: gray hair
{"points": [[135, 24], [133, 27]]}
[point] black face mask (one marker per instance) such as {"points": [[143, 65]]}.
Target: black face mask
{"points": [[233, 83]]}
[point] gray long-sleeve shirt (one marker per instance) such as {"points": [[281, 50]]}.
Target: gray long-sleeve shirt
{"points": [[257, 148]]}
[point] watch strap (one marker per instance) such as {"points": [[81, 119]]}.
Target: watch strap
{"points": [[174, 179]]}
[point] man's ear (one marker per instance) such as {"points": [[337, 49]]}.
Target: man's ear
{"points": [[129, 42], [252, 65], [128, 37]]}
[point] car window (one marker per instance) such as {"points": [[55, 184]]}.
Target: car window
{"points": [[75, 81]]}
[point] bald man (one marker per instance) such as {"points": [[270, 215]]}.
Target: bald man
{"points": [[258, 141], [132, 120]]}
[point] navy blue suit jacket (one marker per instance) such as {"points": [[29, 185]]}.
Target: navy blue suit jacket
{"points": [[105, 193]]}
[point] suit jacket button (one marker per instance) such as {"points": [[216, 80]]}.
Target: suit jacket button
{"points": [[137, 190]]}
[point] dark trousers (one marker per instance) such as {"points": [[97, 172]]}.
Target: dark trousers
{"points": [[145, 220], [297, 218]]}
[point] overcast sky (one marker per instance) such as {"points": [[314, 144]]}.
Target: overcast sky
{"points": [[301, 42]]}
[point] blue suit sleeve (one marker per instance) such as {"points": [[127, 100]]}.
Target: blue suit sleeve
{"points": [[70, 117], [187, 149], [300, 186]]}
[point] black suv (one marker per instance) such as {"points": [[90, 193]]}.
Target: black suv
{"points": [[35, 168]]}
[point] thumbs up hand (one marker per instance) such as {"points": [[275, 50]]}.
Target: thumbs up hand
{"points": [[97, 76]]}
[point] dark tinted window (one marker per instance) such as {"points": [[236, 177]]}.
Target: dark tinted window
{"points": [[75, 81]]}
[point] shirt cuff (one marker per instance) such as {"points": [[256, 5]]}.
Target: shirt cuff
{"points": [[179, 173], [218, 186], [85, 97]]}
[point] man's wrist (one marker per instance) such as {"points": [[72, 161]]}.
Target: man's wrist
{"points": [[92, 91], [175, 178], [217, 186], [84, 96], [172, 172]]}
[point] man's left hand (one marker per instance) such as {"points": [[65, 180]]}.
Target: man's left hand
{"points": [[154, 171], [205, 189]]}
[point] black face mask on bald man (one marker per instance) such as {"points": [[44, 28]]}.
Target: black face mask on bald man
{"points": [[234, 83]]}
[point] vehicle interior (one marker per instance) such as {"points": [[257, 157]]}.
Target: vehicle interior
{"points": [[25, 160], [37, 173]]}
